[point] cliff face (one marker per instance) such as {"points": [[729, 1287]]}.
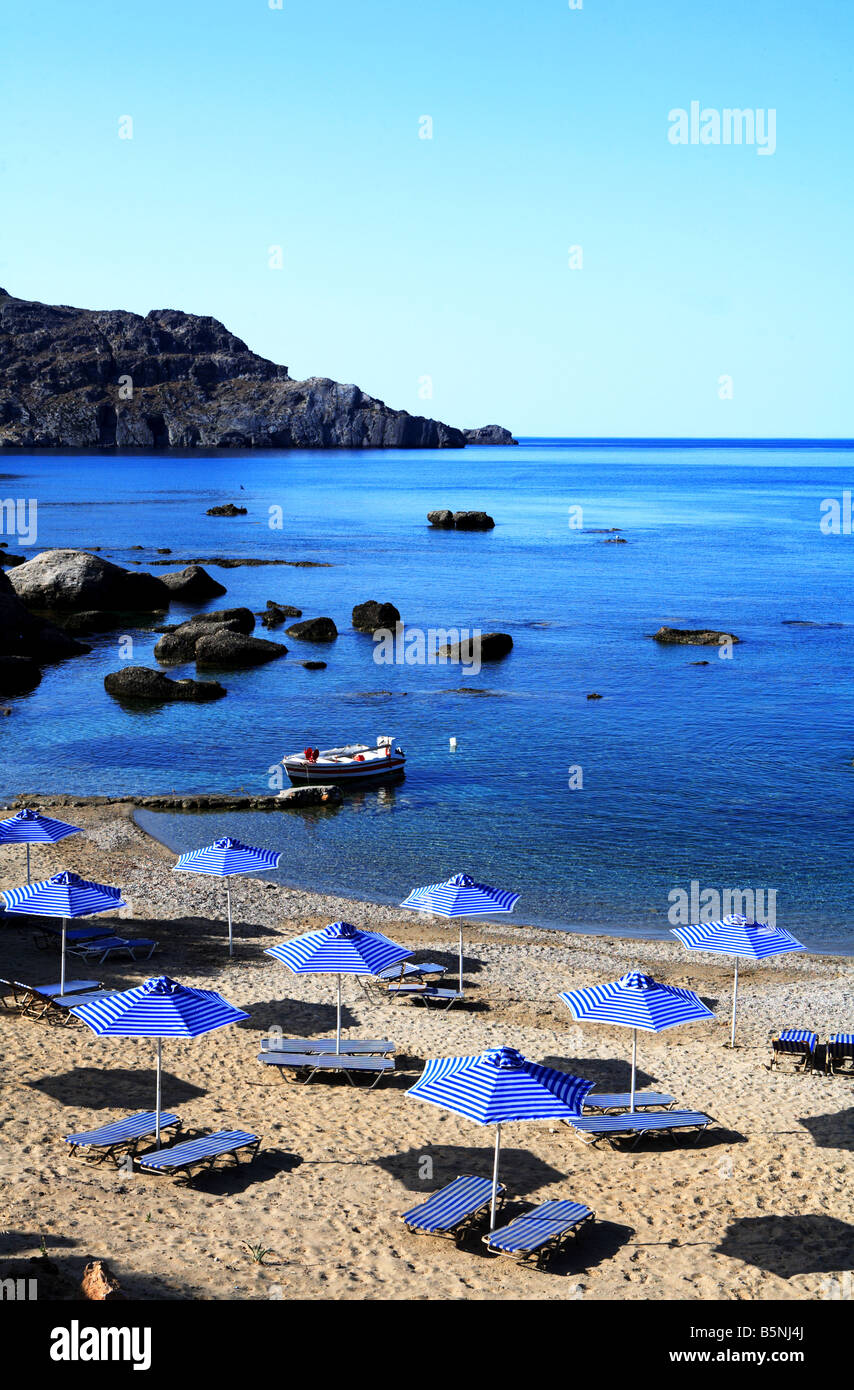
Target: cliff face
{"points": [[105, 379]]}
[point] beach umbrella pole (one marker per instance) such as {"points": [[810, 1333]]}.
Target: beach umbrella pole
{"points": [[28, 863], [62, 961], [230, 938], [461, 957], [634, 1067], [338, 1024], [157, 1105], [734, 1003], [495, 1178]]}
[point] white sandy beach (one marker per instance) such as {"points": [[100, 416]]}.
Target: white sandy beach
{"points": [[760, 1208]]}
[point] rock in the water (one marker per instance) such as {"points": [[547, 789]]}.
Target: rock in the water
{"points": [[224, 648], [74, 579], [18, 675], [100, 1284], [141, 683], [442, 518], [318, 795], [195, 384], [193, 585], [180, 645], [227, 509], [615, 540], [314, 630], [489, 434], [693, 636], [698, 663], [314, 665], [594, 695], [371, 616], [8, 560], [276, 613], [473, 521], [489, 646], [26, 639]]}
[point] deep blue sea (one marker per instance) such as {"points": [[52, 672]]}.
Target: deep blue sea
{"points": [[735, 774]]}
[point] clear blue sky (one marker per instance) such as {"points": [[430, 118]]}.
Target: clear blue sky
{"points": [[448, 258]]}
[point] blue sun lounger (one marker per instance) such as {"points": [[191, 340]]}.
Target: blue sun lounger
{"points": [[137, 948], [407, 970], [539, 1233], [644, 1100], [796, 1045], [126, 1134], [453, 1209], [426, 994], [200, 1153], [350, 1047], [592, 1128], [313, 1062], [37, 999], [50, 934], [839, 1053]]}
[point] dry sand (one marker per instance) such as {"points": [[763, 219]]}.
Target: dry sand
{"points": [[760, 1208]]}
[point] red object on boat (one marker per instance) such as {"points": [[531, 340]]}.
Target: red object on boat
{"points": [[360, 757]]}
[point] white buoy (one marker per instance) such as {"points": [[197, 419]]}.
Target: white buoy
{"points": [[453, 743]]}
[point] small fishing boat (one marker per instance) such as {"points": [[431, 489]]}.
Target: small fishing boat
{"points": [[355, 762]]}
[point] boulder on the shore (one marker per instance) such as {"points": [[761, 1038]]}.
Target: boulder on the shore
{"points": [[488, 646], [693, 636], [371, 616], [489, 434], [227, 509], [192, 585], [142, 683], [65, 580], [314, 630], [221, 647]]}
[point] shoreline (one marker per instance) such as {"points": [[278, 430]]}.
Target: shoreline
{"points": [[198, 804]]}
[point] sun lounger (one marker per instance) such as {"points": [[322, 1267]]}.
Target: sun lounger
{"points": [[839, 1053], [36, 1000], [408, 970], [644, 1100], [350, 1047], [59, 1008], [796, 1045], [426, 994], [50, 934], [200, 1153], [592, 1128], [454, 1209], [539, 1233], [314, 1062], [126, 1134], [138, 948]]}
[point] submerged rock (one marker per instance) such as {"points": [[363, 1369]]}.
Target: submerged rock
{"points": [[222, 647], [142, 683], [371, 616], [489, 646], [314, 630], [193, 584], [694, 636]]}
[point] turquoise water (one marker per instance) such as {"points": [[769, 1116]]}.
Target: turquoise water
{"points": [[737, 774]]}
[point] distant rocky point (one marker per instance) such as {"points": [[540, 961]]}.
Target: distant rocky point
{"points": [[103, 379]]}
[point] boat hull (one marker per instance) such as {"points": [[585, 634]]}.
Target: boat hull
{"points": [[302, 773]]}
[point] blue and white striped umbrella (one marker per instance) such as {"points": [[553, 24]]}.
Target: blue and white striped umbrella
{"points": [[499, 1087], [738, 936], [160, 1008], [31, 828], [636, 1001], [65, 895], [339, 949], [223, 859], [460, 896]]}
